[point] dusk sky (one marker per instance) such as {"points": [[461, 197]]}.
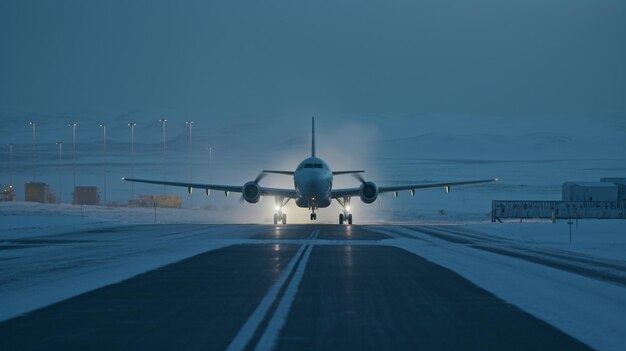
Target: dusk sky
{"points": [[481, 57]]}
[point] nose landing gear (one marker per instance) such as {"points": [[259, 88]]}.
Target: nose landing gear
{"points": [[313, 216]]}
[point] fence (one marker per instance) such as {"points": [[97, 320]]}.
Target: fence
{"points": [[557, 209]]}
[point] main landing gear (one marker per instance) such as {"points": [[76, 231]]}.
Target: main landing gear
{"points": [[345, 218], [280, 217]]}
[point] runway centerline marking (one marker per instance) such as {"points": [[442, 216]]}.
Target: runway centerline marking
{"points": [[245, 334], [269, 337]]}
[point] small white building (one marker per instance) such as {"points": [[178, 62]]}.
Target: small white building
{"points": [[590, 191], [621, 186]]}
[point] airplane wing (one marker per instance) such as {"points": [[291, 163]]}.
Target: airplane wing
{"points": [[339, 193], [279, 172], [287, 193], [347, 172]]}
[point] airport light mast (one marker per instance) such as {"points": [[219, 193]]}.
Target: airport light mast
{"points": [[10, 165], [73, 125], [33, 125], [210, 149], [132, 155], [104, 154], [190, 123], [164, 122], [60, 144]]}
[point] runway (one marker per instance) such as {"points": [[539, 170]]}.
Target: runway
{"points": [[296, 287]]}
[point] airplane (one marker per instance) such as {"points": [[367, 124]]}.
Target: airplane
{"points": [[313, 187]]}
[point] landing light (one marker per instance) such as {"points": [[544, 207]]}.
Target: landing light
{"points": [[277, 208], [348, 208]]}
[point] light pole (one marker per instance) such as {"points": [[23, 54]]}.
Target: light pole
{"points": [[210, 149], [10, 165], [33, 125], [163, 123], [60, 144], [132, 155], [104, 153], [190, 123], [73, 125]]}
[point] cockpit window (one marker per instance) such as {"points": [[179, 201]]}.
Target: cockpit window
{"points": [[308, 165], [317, 165]]}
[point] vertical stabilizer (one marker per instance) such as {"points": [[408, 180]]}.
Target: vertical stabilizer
{"points": [[313, 137]]}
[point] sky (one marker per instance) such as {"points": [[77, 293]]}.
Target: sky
{"points": [[507, 59]]}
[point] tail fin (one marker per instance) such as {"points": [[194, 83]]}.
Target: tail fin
{"points": [[313, 137]]}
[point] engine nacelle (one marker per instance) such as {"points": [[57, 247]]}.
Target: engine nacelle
{"points": [[251, 192], [368, 192]]}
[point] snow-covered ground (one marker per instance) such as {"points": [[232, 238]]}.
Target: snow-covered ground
{"points": [[50, 253], [597, 238], [24, 219]]}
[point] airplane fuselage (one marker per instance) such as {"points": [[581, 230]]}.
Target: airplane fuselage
{"points": [[313, 181]]}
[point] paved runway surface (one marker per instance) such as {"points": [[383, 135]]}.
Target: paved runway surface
{"points": [[316, 288]]}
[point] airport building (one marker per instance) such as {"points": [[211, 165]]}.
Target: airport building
{"points": [[170, 201], [39, 192], [590, 191], [621, 186], [86, 195], [605, 199], [142, 201]]}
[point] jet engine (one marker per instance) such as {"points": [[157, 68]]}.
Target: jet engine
{"points": [[251, 192], [368, 192]]}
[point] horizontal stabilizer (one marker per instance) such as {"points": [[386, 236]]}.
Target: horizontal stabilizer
{"points": [[279, 172], [346, 172]]}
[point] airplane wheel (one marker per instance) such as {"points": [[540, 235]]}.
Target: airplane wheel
{"points": [[341, 218], [350, 218], [275, 218], [284, 218], [315, 216]]}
